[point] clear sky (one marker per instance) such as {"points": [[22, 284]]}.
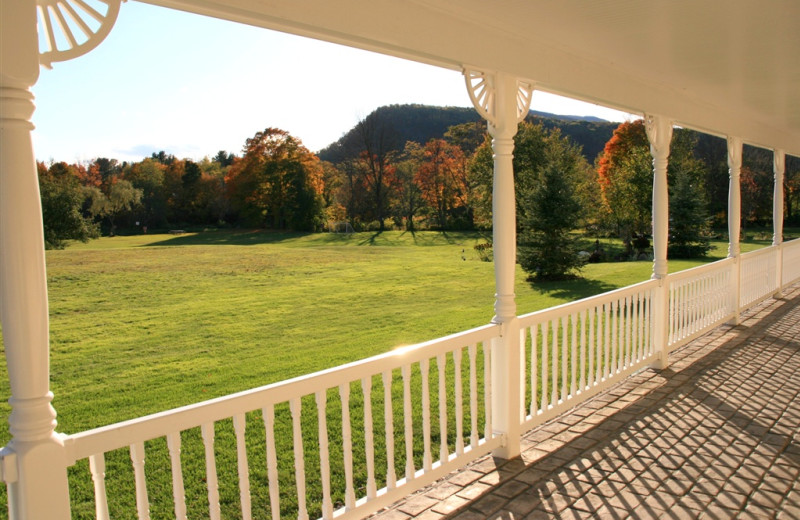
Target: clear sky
{"points": [[192, 85]]}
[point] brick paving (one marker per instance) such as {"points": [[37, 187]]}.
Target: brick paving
{"points": [[715, 436]]}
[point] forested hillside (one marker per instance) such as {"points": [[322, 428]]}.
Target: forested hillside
{"points": [[421, 123]]}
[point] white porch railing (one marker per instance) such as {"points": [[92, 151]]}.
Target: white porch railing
{"points": [[699, 299], [759, 276], [790, 252], [322, 444], [576, 350], [441, 428]]}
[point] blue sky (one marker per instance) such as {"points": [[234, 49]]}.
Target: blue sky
{"points": [[191, 85]]}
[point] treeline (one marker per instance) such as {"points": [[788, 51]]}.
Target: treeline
{"points": [[375, 179]]}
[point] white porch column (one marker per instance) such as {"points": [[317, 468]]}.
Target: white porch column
{"points": [[779, 167], [504, 101], [735, 218], [39, 491], [659, 132]]}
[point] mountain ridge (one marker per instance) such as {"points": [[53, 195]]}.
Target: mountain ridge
{"points": [[420, 123]]}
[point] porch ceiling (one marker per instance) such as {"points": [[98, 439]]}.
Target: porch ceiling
{"points": [[728, 67]]}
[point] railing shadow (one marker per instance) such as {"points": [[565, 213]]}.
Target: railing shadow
{"points": [[614, 457]]}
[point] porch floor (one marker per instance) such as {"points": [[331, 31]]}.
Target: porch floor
{"points": [[716, 435]]}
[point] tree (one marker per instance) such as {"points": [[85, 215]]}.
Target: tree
{"points": [[148, 176], [376, 141], [62, 198], [625, 178], [441, 180], [277, 183], [689, 227], [122, 197], [547, 250], [408, 201]]}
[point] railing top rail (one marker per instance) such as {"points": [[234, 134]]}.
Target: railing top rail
{"points": [[792, 243], [119, 435], [700, 270], [759, 252], [566, 308]]}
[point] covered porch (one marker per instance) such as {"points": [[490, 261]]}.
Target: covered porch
{"points": [[406, 419], [716, 434]]}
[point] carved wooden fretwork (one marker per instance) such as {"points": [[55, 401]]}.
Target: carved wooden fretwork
{"points": [[60, 20], [482, 91]]}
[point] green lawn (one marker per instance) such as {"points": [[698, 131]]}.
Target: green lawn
{"points": [[146, 323]]}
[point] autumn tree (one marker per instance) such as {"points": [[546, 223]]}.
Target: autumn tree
{"points": [[441, 180], [277, 183], [63, 198], [408, 201]]}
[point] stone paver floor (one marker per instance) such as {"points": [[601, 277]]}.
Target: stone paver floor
{"points": [[716, 435]]}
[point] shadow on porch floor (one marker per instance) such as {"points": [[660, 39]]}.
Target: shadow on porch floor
{"points": [[717, 435]]}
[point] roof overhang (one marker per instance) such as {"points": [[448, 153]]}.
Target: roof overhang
{"points": [[727, 67]]}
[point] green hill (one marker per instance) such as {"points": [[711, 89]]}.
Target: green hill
{"points": [[420, 123]]}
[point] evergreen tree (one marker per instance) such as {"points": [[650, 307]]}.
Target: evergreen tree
{"points": [[689, 222], [552, 210]]}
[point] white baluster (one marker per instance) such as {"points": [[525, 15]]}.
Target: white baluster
{"points": [[607, 340], [614, 336], [178, 495], [564, 356], [473, 396], [268, 415], [583, 364], [628, 330], [424, 368], [574, 360], [388, 414], [239, 423], [444, 455], [296, 408], [487, 391], [97, 465], [324, 453], [347, 447], [459, 403], [534, 362], [636, 302], [142, 503], [554, 367], [408, 424], [207, 431], [545, 330], [369, 440], [591, 379]]}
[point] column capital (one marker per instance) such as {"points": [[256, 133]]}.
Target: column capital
{"points": [[502, 100], [734, 155], [659, 133]]}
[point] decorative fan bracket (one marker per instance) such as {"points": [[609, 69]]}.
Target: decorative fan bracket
{"points": [[60, 20]]}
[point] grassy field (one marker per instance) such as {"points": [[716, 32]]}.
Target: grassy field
{"points": [[146, 323]]}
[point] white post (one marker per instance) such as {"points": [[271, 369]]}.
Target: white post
{"points": [[504, 102], [40, 491], [659, 132], [735, 219], [779, 167]]}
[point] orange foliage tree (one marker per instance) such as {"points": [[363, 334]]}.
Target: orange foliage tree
{"points": [[277, 183], [442, 179]]}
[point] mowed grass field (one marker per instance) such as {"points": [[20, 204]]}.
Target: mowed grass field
{"points": [[142, 324]]}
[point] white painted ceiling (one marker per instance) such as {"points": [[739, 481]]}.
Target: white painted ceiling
{"points": [[728, 67]]}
